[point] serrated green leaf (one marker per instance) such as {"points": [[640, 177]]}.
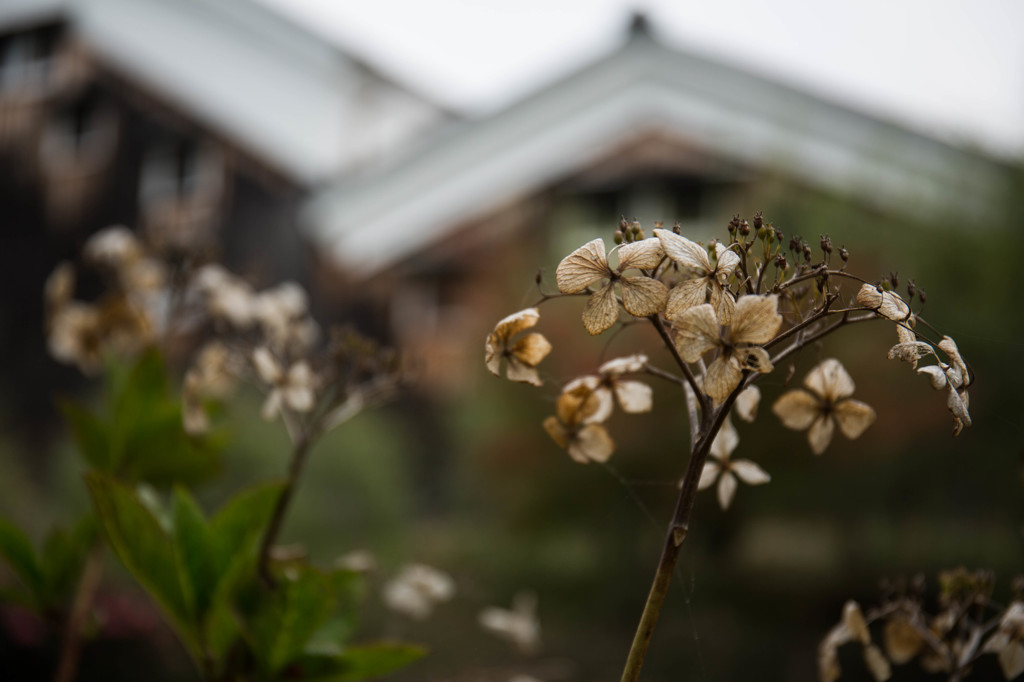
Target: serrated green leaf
{"points": [[21, 557], [144, 548]]}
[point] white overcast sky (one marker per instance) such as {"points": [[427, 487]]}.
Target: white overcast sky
{"points": [[951, 68]]}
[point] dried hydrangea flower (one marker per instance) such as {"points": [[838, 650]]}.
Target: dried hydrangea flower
{"points": [[608, 386], [357, 561], [417, 589], [75, 337], [574, 430], [524, 355], [822, 403], [723, 469], [283, 315], [1007, 642], [888, 304], [641, 295], [293, 388], [955, 377], [113, 247], [694, 292], [902, 640], [228, 297], [852, 628], [518, 625], [755, 322], [747, 403]]}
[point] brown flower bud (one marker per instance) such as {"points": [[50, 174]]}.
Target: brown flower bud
{"points": [[911, 289], [744, 228], [894, 279], [844, 254], [734, 224], [676, 229], [826, 244], [758, 221], [618, 238]]}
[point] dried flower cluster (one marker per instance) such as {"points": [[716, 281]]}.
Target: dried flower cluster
{"points": [[967, 625], [268, 338], [727, 312]]}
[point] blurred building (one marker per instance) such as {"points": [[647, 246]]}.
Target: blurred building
{"points": [[218, 119]]}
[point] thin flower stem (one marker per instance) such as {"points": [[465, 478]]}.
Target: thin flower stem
{"points": [[677, 531], [71, 646], [803, 324], [300, 453], [821, 333]]}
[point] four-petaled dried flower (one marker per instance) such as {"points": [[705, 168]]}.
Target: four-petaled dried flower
{"points": [[518, 625], [755, 322], [693, 292], [641, 295], [824, 402], [293, 388], [608, 385], [524, 355], [723, 469], [574, 428], [417, 589]]}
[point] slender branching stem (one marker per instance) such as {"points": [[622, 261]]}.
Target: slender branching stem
{"points": [[803, 324], [300, 452], [85, 592], [677, 531]]}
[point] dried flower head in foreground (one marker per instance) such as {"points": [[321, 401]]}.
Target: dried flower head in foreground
{"points": [[641, 295], [417, 589], [755, 322], [522, 356], [709, 280], [824, 402]]}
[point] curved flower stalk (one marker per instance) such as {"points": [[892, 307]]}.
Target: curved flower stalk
{"points": [[729, 321], [641, 295]]}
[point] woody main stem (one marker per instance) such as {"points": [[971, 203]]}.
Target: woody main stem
{"points": [[673, 542]]}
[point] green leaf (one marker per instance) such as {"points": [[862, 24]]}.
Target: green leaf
{"points": [[144, 548], [279, 622], [364, 662], [195, 555], [91, 436], [17, 551], [242, 520]]}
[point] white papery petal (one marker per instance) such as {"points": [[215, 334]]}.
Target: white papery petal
{"points": [[749, 472]]}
